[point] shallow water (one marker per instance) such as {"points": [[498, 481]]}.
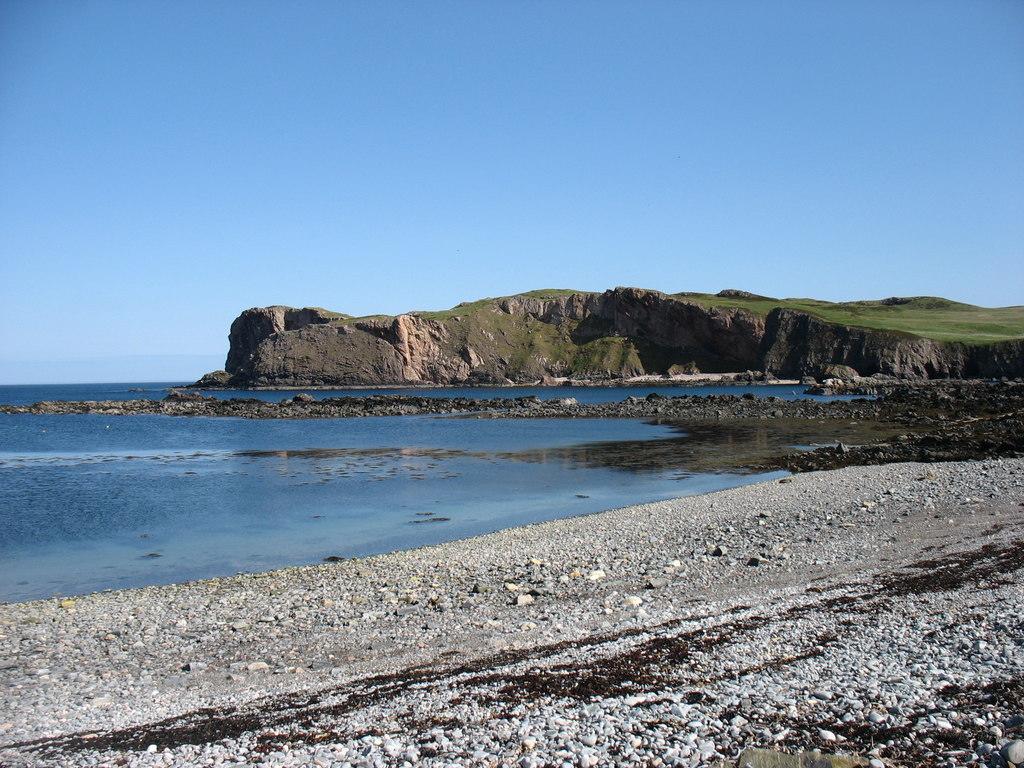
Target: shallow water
{"points": [[93, 502], [90, 502]]}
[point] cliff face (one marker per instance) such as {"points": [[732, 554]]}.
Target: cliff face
{"points": [[797, 343], [713, 339], [251, 328], [404, 349], [621, 332]]}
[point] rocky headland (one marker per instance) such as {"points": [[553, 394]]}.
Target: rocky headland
{"points": [[546, 336]]}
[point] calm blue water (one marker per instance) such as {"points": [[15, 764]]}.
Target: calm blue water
{"points": [[30, 393], [94, 502]]}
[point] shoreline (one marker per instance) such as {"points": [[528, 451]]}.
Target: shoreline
{"points": [[215, 583], [543, 595], [949, 421], [738, 378]]}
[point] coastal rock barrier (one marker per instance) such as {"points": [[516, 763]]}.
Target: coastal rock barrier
{"points": [[938, 421], [305, 407], [912, 401]]}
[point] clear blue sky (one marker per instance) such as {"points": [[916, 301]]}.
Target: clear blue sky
{"points": [[164, 165]]}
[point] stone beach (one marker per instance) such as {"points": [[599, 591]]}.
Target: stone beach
{"points": [[872, 611]]}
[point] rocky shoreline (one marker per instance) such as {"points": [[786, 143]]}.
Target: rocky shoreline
{"points": [[890, 400], [306, 407], [219, 380], [938, 421], [871, 611]]}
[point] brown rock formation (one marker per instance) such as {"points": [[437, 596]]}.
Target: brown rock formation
{"points": [[534, 337]]}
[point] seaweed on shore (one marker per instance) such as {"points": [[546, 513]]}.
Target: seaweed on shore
{"points": [[649, 664]]}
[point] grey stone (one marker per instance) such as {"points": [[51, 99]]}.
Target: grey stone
{"points": [[1013, 751]]}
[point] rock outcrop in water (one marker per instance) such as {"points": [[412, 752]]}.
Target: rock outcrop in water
{"points": [[540, 336]]}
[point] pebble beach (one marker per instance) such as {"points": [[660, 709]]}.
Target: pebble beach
{"points": [[872, 611]]}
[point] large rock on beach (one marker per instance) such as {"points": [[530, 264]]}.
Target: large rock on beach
{"points": [[764, 758]]}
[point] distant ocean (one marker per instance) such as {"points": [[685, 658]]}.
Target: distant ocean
{"points": [[96, 502]]}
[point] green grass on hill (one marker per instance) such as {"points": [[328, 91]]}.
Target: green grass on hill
{"points": [[330, 313], [468, 307], [550, 293], [927, 316]]}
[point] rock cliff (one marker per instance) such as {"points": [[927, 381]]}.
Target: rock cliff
{"points": [[798, 343], [618, 333]]}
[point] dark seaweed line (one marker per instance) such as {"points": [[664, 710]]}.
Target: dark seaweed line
{"points": [[644, 667], [303, 709]]}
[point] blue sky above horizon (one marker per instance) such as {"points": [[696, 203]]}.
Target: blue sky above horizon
{"points": [[164, 165]]}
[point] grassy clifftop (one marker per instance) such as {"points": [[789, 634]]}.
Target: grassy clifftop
{"points": [[469, 307], [927, 316]]}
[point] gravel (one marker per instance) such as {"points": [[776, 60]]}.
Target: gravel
{"points": [[884, 619]]}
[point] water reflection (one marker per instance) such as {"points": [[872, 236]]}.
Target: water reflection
{"points": [[153, 500], [720, 447]]}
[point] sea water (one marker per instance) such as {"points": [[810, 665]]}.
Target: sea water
{"points": [[91, 502]]}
